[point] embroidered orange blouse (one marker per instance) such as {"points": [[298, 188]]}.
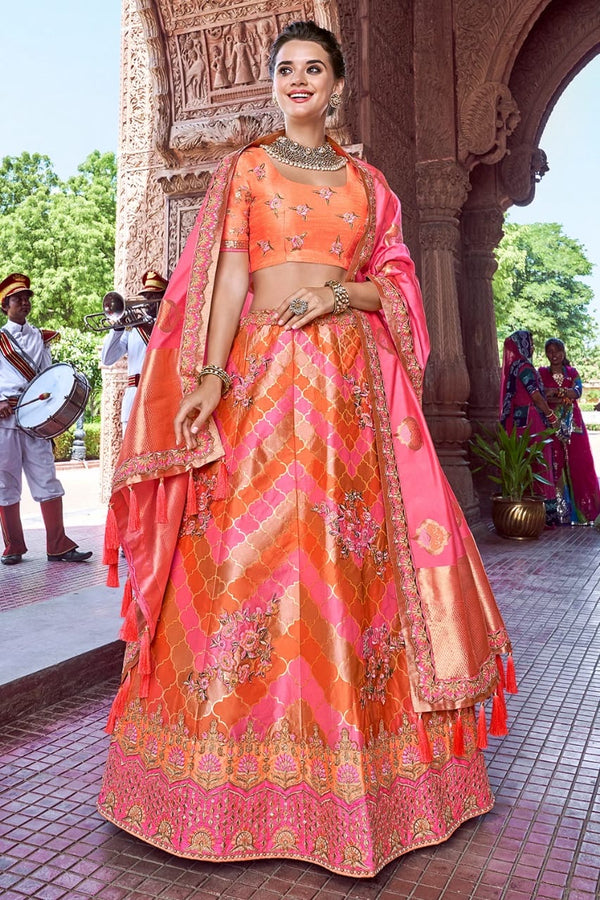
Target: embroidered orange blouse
{"points": [[277, 220]]}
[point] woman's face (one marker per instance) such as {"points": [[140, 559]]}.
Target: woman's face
{"points": [[304, 81], [555, 354]]}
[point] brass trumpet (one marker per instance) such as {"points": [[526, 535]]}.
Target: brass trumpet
{"points": [[119, 313]]}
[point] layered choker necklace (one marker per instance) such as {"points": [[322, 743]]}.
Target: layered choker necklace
{"points": [[323, 158]]}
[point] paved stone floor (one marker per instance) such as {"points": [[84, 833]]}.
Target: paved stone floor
{"points": [[542, 839]]}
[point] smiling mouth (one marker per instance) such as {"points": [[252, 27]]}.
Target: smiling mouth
{"points": [[300, 95]]}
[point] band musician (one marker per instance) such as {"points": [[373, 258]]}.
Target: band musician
{"points": [[24, 353], [132, 342]]}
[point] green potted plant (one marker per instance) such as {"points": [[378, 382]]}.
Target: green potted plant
{"points": [[517, 462]]}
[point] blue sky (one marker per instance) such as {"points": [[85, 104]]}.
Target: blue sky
{"points": [[59, 95]]}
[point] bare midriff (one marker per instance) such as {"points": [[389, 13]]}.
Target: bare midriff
{"points": [[273, 284]]}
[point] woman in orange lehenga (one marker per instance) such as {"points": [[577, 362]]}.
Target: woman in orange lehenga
{"points": [[309, 625]]}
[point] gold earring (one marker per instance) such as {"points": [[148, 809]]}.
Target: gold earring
{"points": [[335, 100]]}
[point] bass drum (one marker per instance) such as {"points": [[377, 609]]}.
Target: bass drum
{"points": [[52, 401]]}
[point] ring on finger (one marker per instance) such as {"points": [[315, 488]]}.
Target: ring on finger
{"points": [[298, 307]]}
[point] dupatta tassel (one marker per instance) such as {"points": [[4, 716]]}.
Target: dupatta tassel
{"points": [[111, 531], [458, 742], [482, 740], [133, 519], [110, 552], [127, 599], [112, 576], [425, 754], [191, 500], [161, 503], [500, 667], [118, 706], [129, 629], [144, 685], [145, 660], [222, 486], [511, 678], [498, 722]]}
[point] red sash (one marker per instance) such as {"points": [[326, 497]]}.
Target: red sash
{"points": [[10, 353]]}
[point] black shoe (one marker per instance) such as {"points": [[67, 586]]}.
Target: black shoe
{"points": [[12, 559], [70, 556]]}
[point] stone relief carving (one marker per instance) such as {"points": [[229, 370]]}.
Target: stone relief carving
{"points": [[488, 35], [214, 58], [521, 171], [213, 140], [182, 212], [488, 116], [558, 45]]}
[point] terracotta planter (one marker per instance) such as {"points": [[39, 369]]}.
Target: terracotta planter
{"points": [[519, 520]]}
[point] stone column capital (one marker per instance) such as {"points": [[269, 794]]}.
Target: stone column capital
{"points": [[482, 229], [442, 188]]}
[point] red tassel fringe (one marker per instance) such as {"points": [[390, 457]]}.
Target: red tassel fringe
{"points": [[133, 520], [425, 754], [111, 531], [145, 661], [110, 553], [498, 723], [482, 741], [129, 629], [500, 668], [161, 503], [112, 576], [511, 678], [191, 500], [458, 744], [127, 598], [144, 685], [222, 485], [118, 707]]}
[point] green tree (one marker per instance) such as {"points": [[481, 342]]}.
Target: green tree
{"points": [[537, 286], [62, 234], [22, 176]]}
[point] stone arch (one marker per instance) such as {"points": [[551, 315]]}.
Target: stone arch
{"points": [[564, 36]]}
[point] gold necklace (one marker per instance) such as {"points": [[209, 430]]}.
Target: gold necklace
{"points": [[323, 158]]}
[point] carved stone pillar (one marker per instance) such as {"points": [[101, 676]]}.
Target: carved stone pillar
{"points": [[114, 382], [442, 188], [482, 231]]}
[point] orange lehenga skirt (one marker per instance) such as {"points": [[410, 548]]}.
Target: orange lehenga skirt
{"points": [[279, 721]]}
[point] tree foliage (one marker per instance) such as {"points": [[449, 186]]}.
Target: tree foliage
{"points": [[61, 234], [537, 286], [21, 176]]}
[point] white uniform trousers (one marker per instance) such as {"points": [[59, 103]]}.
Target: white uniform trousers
{"points": [[20, 452]]}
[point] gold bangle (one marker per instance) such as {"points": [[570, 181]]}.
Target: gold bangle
{"points": [[341, 297], [212, 369]]}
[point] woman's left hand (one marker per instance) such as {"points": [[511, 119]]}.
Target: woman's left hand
{"points": [[318, 300]]}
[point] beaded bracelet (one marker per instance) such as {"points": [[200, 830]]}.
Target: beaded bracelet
{"points": [[341, 297], [212, 369]]}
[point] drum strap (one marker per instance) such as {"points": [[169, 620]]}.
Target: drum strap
{"points": [[16, 356]]}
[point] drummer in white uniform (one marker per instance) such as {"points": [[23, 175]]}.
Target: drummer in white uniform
{"points": [[132, 342], [23, 355]]}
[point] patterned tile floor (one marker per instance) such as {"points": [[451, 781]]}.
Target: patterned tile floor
{"points": [[542, 840]]}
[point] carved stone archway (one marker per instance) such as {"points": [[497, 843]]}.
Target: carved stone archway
{"points": [[447, 97], [559, 42]]}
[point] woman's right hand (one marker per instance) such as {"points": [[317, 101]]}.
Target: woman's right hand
{"points": [[195, 410]]}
